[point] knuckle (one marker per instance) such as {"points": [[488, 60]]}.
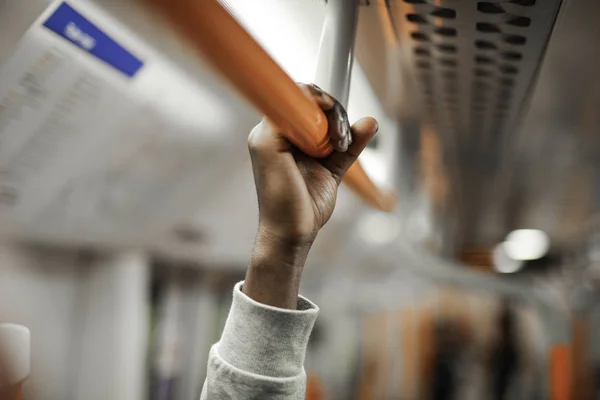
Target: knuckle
{"points": [[254, 141]]}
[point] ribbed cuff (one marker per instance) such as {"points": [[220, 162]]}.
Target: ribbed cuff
{"points": [[266, 340]]}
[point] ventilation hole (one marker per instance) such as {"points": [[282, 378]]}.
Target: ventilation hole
{"points": [[479, 102], [446, 13], [509, 69], [482, 73], [483, 60], [504, 96], [507, 82], [451, 87], [416, 18], [423, 65], [512, 56], [524, 3], [420, 37], [445, 31], [490, 8], [480, 85], [447, 62], [521, 22], [487, 27], [447, 48], [515, 39], [415, 1], [449, 74], [485, 45], [421, 51]]}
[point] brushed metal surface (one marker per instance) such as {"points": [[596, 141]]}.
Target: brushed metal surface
{"points": [[475, 64], [506, 92]]}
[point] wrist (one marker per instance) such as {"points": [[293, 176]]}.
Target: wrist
{"points": [[289, 249], [275, 269], [285, 236]]}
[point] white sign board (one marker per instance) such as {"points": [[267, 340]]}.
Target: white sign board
{"points": [[92, 148]]}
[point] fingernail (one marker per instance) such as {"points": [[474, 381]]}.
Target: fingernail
{"points": [[348, 133]]}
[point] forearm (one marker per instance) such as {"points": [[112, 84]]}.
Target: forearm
{"points": [[275, 270]]}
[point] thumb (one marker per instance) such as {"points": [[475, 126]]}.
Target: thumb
{"points": [[362, 133]]}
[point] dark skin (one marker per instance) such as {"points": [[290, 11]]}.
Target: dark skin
{"points": [[296, 197]]}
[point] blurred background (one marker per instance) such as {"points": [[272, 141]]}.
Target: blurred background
{"points": [[128, 210]]}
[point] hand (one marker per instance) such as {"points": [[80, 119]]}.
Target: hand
{"points": [[296, 197], [296, 193]]}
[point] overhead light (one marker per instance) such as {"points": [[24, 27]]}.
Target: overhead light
{"points": [[503, 263], [379, 228], [526, 244]]}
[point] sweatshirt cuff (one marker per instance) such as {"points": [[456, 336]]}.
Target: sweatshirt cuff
{"points": [[267, 340]]}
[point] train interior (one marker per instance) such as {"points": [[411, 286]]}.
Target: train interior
{"points": [[486, 147]]}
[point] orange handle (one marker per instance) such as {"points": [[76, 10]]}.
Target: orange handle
{"points": [[357, 179], [561, 372], [235, 54]]}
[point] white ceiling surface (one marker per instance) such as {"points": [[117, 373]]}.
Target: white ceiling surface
{"points": [[183, 89]]}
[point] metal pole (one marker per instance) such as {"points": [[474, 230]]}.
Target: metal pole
{"points": [[336, 53]]}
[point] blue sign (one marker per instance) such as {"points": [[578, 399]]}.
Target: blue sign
{"points": [[74, 27]]}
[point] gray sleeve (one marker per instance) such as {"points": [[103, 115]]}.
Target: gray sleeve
{"points": [[261, 352]]}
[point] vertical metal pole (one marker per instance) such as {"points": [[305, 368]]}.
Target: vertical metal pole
{"points": [[336, 53]]}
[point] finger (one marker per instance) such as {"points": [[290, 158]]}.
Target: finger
{"points": [[362, 132], [271, 155], [339, 133], [265, 141], [323, 99]]}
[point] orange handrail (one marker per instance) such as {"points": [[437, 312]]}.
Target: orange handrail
{"points": [[248, 67], [560, 372]]}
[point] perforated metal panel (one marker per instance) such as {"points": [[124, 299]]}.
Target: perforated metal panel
{"points": [[475, 60], [473, 65]]}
